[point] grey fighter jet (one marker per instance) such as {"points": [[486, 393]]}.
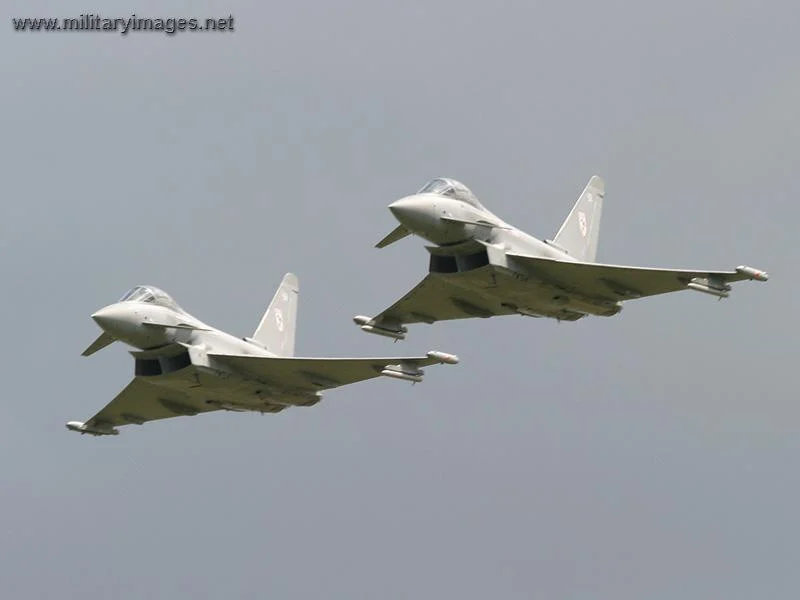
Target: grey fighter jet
{"points": [[480, 266], [185, 367]]}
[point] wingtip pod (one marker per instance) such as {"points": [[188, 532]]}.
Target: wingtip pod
{"points": [[82, 427], [443, 357], [752, 273]]}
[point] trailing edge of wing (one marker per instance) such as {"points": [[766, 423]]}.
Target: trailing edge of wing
{"points": [[397, 234]]}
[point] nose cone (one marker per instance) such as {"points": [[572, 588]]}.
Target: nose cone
{"points": [[115, 319], [407, 207], [415, 212]]}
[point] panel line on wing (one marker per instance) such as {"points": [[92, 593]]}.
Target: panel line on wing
{"points": [[178, 407]]}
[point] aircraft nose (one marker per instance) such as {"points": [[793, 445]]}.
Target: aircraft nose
{"points": [[412, 211], [113, 318]]}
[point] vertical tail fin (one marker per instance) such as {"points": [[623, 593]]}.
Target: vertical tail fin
{"points": [[580, 231], [278, 325]]}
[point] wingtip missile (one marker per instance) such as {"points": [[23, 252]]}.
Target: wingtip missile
{"points": [[752, 273], [82, 427], [443, 357]]}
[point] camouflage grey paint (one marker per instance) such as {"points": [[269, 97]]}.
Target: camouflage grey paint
{"points": [[481, 266], [185, 367]]}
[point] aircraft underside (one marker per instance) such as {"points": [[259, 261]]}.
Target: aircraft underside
{"points": [[507, 291], [184, 367], [480, 266], [204, 388]]}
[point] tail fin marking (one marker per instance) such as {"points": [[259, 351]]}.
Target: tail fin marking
{"points": [[580, 231], [276, 331]]}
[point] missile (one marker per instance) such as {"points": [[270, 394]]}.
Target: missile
{"points": [[233, 407], [443, 357], [384, 332], [752, 273], [81, 427], [230, 406], [707, 289], [413, 377], [368, 325]]}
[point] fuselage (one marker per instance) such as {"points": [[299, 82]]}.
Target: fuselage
{"points": [[447, 214], [481, 266], [147, 326], [156, 331], [448, 221]]}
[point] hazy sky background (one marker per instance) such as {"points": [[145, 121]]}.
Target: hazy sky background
{"points": [[651, 455]]}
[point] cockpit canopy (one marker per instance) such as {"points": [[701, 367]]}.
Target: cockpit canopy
{"points": [[153, 295], [452, 189]]}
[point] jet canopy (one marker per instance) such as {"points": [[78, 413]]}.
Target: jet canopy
{"points": [[452, 189], [153, 295]]}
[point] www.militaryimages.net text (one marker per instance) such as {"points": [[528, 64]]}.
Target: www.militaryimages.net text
{"points": [[123, 26]]}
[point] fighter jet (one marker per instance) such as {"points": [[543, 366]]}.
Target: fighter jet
{"points": [[480, 266], [184, 367]]}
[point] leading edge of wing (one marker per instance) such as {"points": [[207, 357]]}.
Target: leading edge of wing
{"points": [[300, 373], [740, 273], [628, 282], [139, 402], [436, 298]]}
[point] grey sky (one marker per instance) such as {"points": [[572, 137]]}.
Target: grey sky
{"points": [[651, 455]]}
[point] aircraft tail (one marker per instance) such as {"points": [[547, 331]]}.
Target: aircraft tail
{"points": [[278, 325], [580, 231]]}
